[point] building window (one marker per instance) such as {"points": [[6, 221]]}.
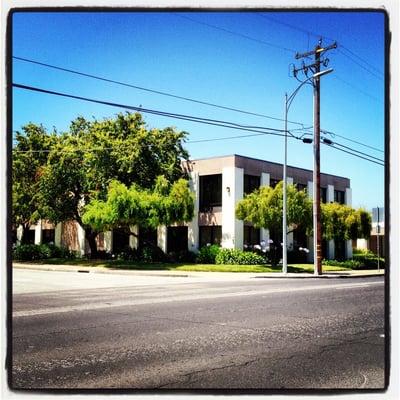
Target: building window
{"points": [[177, 238], [301, 186], [251, 236], [210, 235], [48, 236], [323, 195], [120, 240], [30, 237], [147, 237], [339, 196], [250, 183], [273, 182], [210, 191]]}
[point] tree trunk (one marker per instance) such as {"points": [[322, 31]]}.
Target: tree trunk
{"points": [[91, 238], [25, 230]]}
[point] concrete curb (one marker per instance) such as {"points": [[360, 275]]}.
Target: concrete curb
{"points": [[273, 275]]}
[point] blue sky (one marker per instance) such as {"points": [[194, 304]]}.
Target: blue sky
{"points": [[233, 59]]}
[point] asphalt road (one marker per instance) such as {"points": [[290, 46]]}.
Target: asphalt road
{"points": [[78, 331]]}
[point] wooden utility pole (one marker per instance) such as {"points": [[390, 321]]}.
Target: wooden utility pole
{"points": [[316, 69]]}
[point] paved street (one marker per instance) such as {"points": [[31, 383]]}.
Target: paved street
{"points": [[76, 330]]}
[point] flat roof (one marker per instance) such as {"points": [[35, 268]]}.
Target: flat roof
{"points": [[266, 161]]}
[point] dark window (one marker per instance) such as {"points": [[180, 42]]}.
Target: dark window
{"points": [[339, 196], [147, 237], [251, 236], [30, 236], [177, 238], [210, 191], [340, 250], [250, 183], [120, 240], [323, 195], [210, 235], [300, 187], [48, 236], [273, 182]]}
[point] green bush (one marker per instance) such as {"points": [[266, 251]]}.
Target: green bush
{"points": [[182, 256], [351, 264], [238, 257], [369, 261], [128, 254], [207, 254], [151, 254], [32, 252]]}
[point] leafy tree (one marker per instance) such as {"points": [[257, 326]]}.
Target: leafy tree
{"points": [[29, 156], [85, 160], [263, 208], [125, 207], [341, 222]]}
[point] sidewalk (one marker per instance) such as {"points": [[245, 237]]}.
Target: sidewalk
{"points": [[185, 274]]}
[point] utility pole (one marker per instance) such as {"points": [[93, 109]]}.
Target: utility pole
{"points": [[316, 68]]}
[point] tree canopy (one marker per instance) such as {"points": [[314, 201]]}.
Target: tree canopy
{"points": [[263, 208], [29, 156], [125, 207], [80, 164]]}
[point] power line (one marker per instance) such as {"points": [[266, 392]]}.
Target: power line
{"points": [[72, 71], [235, 33], [354, 154], [351, 140], [339, 44], [208, 121], [357, 88]]}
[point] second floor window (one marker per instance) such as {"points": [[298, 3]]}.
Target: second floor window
{"points": [[210, 191], [339, 196], [250, 183], [323, 195]]}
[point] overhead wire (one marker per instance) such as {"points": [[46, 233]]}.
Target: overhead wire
{"points": [[163, 93], [275, 132]]}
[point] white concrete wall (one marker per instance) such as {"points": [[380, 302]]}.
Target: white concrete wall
{"points": [[162, 238], [193, 225], [133, 240], [265, 179], [108, 241], [81, 239], [232, 192], [330, 197], [57, 234], [349, 244], [362, 244], [38, 232]]}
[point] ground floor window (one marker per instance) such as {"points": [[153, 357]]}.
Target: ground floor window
{"points": [[210, 235], [30, 236], [251, 236], [177, 238], [120, 240], [48, 235], [147, 237], [340, 250]]}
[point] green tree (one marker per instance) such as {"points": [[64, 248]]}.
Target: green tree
{"points": [[86, 159], [125, 207], [263, 208], [29, 156], [341, 222]]}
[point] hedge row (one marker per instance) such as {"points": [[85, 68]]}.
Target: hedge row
{"points": [[32, 252]]}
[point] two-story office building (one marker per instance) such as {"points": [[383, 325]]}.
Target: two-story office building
{"points": [[218, 183]]}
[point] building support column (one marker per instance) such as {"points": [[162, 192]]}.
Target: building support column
{"points": [[232, 193], [133, 239], [193, 225], [57, 234], [38, 232], [349, 243], [162, 238], [81, 240], [108, 242]]}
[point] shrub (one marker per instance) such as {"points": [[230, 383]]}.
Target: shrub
{"points": [[369, 260], [32, 252], [238, 257], [351, 264], [207, 254], [152, 254], [182, 256]]}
